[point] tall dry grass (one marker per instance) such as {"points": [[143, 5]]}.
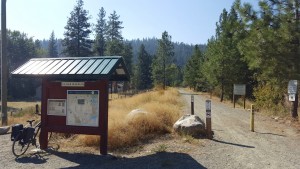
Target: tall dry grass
{"points": [[162, 107]]}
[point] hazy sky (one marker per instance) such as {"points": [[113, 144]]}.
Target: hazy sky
{"points": [[188, 21]]}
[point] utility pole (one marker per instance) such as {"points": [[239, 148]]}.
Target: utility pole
{"points": [[3, 64]]}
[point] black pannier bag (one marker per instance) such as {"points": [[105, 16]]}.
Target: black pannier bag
{"points": [[15, 131], [28, 134]]}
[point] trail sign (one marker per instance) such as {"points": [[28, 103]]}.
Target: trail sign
{"points": [[292, 87], [239, 89], [208, 108]]}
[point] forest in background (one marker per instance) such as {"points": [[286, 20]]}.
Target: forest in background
{"points": [[257, 47]]}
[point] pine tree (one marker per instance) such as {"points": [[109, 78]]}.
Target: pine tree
{"points": [[143, 72], [192, 73], [162, 61], [99, 46], [128, 55], [114, 35], [224, 65], [52, 47], [76, 41], [272, 48]]}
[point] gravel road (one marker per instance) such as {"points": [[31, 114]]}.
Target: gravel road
{"points": [[272, 145]]}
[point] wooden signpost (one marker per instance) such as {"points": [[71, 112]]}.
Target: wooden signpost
{"points": [[293, 97], [208, 119]]}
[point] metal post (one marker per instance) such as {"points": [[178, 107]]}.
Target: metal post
{"points": [[3, 64], [208, 119], [192, 104], [252, 118]]}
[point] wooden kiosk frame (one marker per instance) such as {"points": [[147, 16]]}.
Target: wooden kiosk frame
{"points": [[60, 75]]}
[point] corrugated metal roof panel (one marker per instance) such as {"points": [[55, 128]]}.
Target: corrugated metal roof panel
{"points": [[48, 68], [42, 67], [34, 68], [26, 65], [101, 66], [109, 66], [61, 69], [33, 64], [56, 67], [84, 68], [94, 66], [78, 67]]}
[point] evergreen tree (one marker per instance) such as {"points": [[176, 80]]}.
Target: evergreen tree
{"points": [[20, 49], [143, 71], [272, 48], [128, 55], [76, 41], [114, 35], [224, 65], [162, 61], [99, 46], [52, 47], [192, 73]]}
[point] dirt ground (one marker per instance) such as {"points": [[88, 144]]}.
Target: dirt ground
{"points": [[274, 144]]}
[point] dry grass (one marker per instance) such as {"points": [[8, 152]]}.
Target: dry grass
{"points": [[162, 107]]}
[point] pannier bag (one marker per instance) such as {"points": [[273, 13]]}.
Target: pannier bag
{"points": [[15, 131], [28, 134]]}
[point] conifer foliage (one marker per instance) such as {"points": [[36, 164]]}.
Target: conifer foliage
{"points": [[77, 42], [52, 47], [163, 61]]}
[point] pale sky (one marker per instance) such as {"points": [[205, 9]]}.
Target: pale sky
{"points": [[188, 21]]}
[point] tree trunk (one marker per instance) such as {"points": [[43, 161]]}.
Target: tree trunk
{"points": [[222, 92]]}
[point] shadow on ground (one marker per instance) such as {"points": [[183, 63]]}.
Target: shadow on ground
{"points": [[233, 144], [160, 160], [157, 161]]}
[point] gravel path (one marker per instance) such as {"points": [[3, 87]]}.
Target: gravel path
{"points": [[272, 145]]}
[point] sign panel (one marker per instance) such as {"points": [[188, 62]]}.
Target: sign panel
{"points": [[239, 89], [292, 87], [56, 107], [83, 108], [208, 108], [72, 84]]}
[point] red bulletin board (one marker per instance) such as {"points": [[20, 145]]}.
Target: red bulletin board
{"points": [[57, 90]]}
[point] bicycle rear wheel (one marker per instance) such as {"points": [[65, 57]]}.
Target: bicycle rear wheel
{"points": [[19, 147]]}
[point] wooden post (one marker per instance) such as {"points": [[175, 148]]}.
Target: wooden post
{"points": [[4, 74], [252, 118], [104, 120], [233, 101], [192, 104], [244, 101], [208, 119]]}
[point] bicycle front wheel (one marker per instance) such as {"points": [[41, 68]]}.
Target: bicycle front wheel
{"points": [[19, 147]]}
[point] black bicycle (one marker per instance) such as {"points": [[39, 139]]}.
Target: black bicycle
{"points": [[23, 137]]}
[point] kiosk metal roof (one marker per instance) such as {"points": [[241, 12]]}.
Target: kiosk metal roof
{"points": [[75, 68]]}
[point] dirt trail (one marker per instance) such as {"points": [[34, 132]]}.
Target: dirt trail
{"points": [[272, 145]]}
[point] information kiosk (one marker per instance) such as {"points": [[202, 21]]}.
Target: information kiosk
{"points": [[75, 93]]}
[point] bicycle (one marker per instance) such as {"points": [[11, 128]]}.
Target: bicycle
{"points": [[25, 137]]}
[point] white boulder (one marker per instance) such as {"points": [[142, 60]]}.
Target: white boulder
{"points": [[190, 125], [136, 113]]}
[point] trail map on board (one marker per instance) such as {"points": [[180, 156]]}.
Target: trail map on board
{"points": [[83, 108]]}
